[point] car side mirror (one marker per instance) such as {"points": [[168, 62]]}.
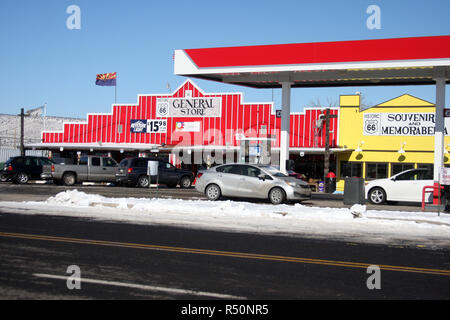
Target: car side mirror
{"points": [[393, 179], [262, 177]]}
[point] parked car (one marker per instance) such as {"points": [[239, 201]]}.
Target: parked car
{"points": [[89, 168], [251, 181], [133, 172], [404, 186], [22, 169]]}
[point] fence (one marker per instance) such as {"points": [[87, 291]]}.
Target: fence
{"points": [[6, 153]]}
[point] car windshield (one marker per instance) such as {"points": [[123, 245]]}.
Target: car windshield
{"points": [[273, 171]]}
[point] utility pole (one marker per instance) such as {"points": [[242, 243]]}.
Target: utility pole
{"points": [[22, 148], [326, 168]]}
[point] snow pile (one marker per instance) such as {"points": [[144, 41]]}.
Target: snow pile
{"points": [[358, 210], [74, 198], [374, 226]]}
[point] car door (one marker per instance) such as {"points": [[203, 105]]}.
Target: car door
{"points": [[83, 169], [250, 185], [167, 173], [108, 170], [35, 168], [406, 187], [138, 167], [95, 169], [228, 179]]}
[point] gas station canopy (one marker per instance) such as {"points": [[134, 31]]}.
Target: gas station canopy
{"points": [[401, 61], [378, 62]]}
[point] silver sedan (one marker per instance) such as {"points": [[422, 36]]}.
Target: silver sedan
{"points": [[251, 181]]}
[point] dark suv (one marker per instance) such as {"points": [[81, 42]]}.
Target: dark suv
{"points": [[22, 169], [133, 172]]}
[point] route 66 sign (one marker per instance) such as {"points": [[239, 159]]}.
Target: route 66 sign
{"points": [[162, 108], [371, 124]]}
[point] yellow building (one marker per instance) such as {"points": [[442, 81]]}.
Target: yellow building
{"points": [[386, 139]]}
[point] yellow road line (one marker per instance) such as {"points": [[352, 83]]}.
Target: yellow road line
{"points": [[226, 253]]}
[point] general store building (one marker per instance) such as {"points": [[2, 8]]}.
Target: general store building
{"points": [[192, 128]]}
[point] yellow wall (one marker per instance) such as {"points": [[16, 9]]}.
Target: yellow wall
{"points": [[418, 149]]}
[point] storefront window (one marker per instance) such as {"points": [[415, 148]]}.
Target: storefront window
{"points": [[400, 167], [351, 169], [376, 170], [428, 166], [429, 173]]}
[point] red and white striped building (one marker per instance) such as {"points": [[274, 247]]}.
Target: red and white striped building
{"points": [[142, 127]]}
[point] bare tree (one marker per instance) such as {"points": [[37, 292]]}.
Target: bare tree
{"points": [[329, 104]]}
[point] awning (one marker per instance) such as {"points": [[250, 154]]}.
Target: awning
{"points": [[401, 61]]}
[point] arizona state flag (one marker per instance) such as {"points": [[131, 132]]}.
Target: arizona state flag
{"points": [[106, 79]]}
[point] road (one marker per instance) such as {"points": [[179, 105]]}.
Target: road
{"points": [[125, 261]]}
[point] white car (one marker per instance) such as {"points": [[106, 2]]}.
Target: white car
{"points": [[404, 186]]}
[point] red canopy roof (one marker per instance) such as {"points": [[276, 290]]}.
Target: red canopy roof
{"points": [[403, 61]]}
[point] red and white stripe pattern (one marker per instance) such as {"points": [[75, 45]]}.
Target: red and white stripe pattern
{"points": [[238, 118]]}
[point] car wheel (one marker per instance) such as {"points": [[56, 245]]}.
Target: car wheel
{"points": [[185, 182], [377, 196], [22, 178], [213, 192], [3, 177], [69, 179], [277, 196], [143, 182]]}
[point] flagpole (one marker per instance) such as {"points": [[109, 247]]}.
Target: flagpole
{"points": [[115, 91], [45, 113]]}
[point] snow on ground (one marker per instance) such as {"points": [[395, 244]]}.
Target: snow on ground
{"points": [[354, 224]]}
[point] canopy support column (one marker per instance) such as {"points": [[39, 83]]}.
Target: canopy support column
{"points": [[439, 132], [285, 124], [439, 135]]}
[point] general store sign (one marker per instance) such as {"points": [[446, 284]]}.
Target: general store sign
{"points": [[189, 107], [401, 124]]}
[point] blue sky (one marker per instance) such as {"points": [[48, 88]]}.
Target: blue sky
{"points": [[41, 60]]}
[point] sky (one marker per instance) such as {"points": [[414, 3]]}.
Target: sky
{"points": [[44, 61]]}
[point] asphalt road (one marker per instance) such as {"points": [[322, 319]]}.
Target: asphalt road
{"points": [[125, 261], [40, 192]]}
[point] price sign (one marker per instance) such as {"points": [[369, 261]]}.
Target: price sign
{"points": [[148, 126], [157, 126]]}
